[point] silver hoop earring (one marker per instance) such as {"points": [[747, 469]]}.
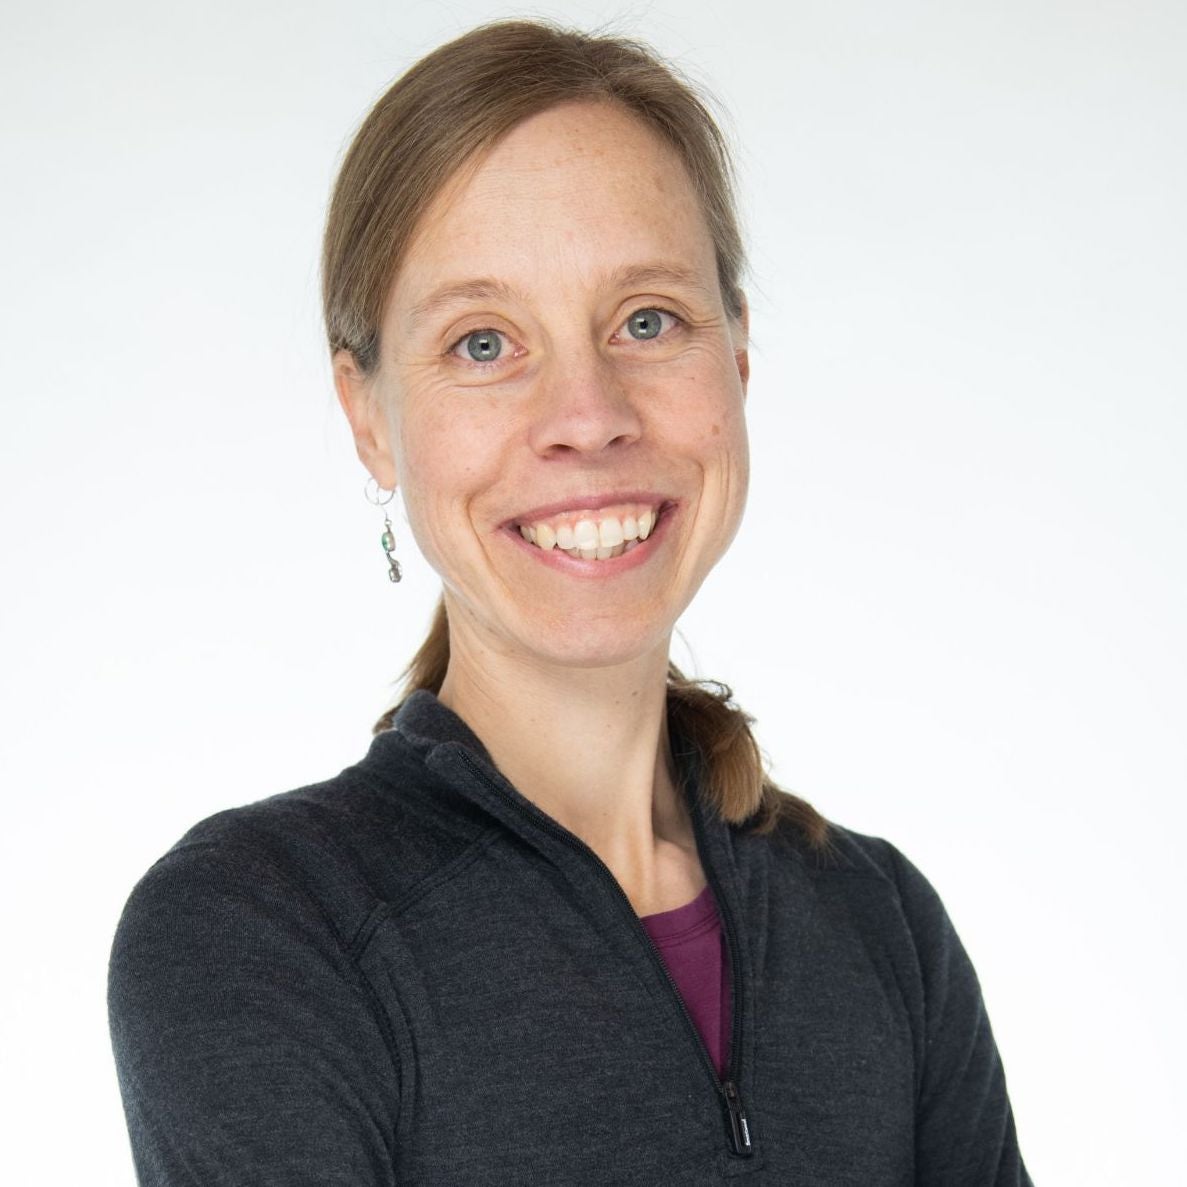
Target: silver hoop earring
{"points": [[379, 497]]}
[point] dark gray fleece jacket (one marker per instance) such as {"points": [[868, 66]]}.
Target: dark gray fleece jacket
{"points": [[409, 974]]}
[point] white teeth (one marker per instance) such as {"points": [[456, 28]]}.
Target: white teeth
{"points": [[590, 538], [610, 533], [586, 534]]}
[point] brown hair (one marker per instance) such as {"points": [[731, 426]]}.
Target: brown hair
{"points": [[434, 119], [460, 99]]}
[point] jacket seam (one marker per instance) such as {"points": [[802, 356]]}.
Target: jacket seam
{"points": [[361, 982], [383, 911]]}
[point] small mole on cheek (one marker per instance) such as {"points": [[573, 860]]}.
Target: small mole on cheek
{"points": [[716, 430]]}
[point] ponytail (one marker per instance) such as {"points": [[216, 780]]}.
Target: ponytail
{"points": [[702, 711]]}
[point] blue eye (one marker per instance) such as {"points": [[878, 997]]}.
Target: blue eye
{"points": [[484, 346], [645, 323]]}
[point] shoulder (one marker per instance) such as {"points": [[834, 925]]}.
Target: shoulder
{"points": [[875, 885], [845, 854], [860, 894], [856, 855], [242, 1020], [329, 853]]}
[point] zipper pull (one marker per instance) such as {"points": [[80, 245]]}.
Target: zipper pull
{"points": [[739, 1129]]}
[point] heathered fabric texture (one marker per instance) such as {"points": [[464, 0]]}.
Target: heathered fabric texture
{"points": [[410, 974], [690, 943]]}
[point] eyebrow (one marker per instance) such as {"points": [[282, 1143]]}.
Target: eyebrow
{"points": [[488, 288], [480, 289]]}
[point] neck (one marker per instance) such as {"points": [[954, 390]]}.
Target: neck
{"points": [[588, 746]]}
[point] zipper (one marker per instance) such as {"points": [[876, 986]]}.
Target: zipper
{"points": [[737, 1126]]}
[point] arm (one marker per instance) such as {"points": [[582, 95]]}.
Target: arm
{"points": [[246, 1041], [964, 1125]]}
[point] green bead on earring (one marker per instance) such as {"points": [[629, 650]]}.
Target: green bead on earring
{"points": [[380, 497], [389, 547]]}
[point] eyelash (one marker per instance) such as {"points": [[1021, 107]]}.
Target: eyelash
{"points": [[652, 309], [455, 347]]}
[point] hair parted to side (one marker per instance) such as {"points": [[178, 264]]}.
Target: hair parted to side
{"points": [[450, 106], [462, 98]]}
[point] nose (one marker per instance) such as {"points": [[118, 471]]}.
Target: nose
{"points": [[582, 406]]}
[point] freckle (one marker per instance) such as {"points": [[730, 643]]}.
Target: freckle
{"points": [[716, 430]]}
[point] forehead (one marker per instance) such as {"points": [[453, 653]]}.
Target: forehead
{"points": [[578, 192]]}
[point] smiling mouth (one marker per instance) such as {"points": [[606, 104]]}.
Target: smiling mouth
{"points": [[595, 535]]}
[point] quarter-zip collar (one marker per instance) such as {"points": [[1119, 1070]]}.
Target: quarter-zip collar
{"points": [[453, 752]]}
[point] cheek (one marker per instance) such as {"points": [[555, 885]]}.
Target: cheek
{"points": [[447, 453], [727, 430], [704, 412], [716, 432]]}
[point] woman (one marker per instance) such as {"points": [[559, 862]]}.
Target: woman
{"points": [[556, 926]]}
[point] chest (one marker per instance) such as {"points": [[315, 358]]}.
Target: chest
{"points": [[539, 1041]]}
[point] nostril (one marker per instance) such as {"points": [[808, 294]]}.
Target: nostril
{"points": [[584, 416]]}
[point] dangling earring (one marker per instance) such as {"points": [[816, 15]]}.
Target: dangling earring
{"points": [[380, 497]]}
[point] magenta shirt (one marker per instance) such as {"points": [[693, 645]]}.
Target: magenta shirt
{"points": [[690, 941]]}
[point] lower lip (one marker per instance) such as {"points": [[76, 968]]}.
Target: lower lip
{"points": [[612, 566]]}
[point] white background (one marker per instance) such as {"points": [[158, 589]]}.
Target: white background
{"points": [[956, 606]]}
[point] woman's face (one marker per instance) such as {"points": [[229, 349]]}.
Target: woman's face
{"points": [[557, 364]]}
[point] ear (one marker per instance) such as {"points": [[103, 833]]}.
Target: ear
{"points": [[368, 424], [740, 332]]}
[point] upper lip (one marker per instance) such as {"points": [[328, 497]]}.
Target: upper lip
{"points": [[587, 503]]}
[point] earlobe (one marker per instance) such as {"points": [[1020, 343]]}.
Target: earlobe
{"points": [[364, 412], [742, 358], [741, 333]]}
